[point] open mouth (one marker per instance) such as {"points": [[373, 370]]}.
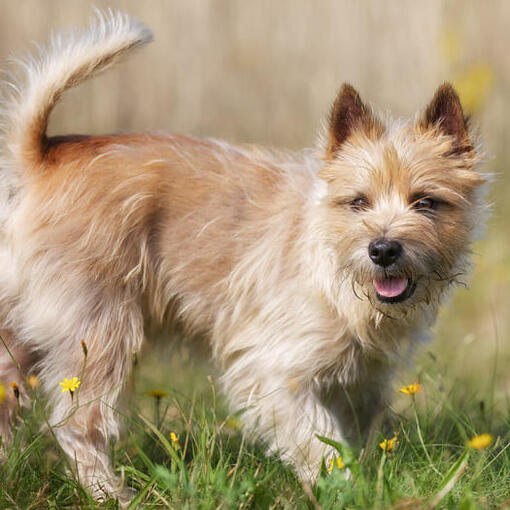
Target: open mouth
{"points": [[394, 290]]}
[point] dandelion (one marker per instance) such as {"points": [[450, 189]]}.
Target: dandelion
{"points": [[15, 390], [480, 442], [410, 389], [70, 385], [388, 445], [3, 392], [175, 440], [157, 393], [33, 381], [336, 462]]}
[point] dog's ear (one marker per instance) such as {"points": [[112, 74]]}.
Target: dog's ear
{"points": [[349, 114], [445, 112]]}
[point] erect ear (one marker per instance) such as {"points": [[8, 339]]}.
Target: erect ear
{"points": [[349, 114], [445, 112]]}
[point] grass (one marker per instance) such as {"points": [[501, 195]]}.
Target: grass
{"points": [[213, 464]]}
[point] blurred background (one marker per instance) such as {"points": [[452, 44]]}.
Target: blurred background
{"points": [[266, 72]]}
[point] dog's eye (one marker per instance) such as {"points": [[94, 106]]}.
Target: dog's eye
{"points": [[425, 204], [358, 204]]}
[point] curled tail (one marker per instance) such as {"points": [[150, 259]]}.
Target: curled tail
{"points": [[65, 62]]}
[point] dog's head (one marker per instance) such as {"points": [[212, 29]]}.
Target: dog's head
{"points": [[402, 200]]}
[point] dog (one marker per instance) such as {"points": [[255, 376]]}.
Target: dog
{"points": [[313, 275]]}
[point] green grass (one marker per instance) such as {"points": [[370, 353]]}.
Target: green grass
{"points": [[214, 465]]}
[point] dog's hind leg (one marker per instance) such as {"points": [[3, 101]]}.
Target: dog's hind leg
{"points": [[86, 420]]}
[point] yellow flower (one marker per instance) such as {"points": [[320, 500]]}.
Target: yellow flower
{"points": [[33, 381], [336, 462], [388, 444], [70, 384], [410, 389], [480, 442], [157, 393], [175, 440], [3, 392]]}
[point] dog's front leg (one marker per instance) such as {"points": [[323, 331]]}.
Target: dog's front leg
{"points": [[361, 404], [308, 419], [289, 415]]}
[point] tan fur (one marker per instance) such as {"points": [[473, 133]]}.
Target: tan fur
{"points": [[259, 251]]}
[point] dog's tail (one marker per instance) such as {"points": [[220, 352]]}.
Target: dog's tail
{"points": [[68, 60]]}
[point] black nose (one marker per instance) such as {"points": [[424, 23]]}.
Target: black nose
{"points": [[384, 252]]}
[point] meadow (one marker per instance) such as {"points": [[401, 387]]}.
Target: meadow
{"points": [[266, 73], [182, 449]]}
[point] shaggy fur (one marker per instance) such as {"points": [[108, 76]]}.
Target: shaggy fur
{"points": [[264, 253]]}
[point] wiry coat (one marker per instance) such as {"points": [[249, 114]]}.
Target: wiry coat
{"points": [[259, 251]]}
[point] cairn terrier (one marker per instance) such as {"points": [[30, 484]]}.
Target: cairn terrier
{"points": [[312, 275]]}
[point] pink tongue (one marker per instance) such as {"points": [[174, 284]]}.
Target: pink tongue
{"points": [[390, 287]]}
